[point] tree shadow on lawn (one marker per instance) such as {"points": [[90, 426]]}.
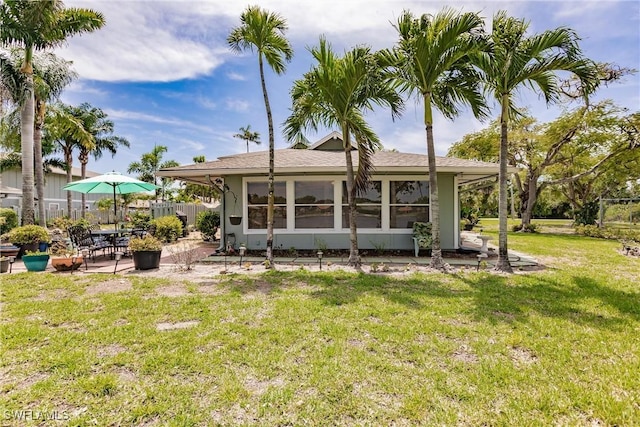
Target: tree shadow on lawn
{"points": [[335, 289], [495, 298], [498, 299]]}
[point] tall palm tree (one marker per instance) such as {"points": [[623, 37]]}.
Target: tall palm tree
{"points": [[248, 136], [264, 31], [51, 75], [516, 60], [335, 93], [38, 25], [66, 128], [149, 164], [432, 61], [96, 122]]}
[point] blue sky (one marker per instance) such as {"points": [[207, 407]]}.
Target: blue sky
{"points": [[164, 74]]}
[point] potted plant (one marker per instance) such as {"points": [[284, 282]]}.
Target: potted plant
{"points": [[146, 252], [29, 238], [35, 261], [63, 258]]}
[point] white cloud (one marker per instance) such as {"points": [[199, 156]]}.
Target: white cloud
{"points": [[236, 76], [238, 105]]}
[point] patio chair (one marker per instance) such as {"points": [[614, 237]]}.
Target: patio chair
{"points": [[82, 239]]}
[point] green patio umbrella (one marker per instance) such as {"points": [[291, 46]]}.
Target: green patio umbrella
{"points": [[110, 182]]}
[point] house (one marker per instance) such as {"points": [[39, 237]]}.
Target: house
{"points": [[311, 208], [55, 198]]}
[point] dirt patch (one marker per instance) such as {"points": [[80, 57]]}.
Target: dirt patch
{"points": [[165, 326], [257, 387], [111, 350], [522, 356], [465, 354], [109, 286], [172, 291]]}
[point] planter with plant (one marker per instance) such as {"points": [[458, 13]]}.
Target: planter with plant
{"points": [[146, 252], [63, 258], [29, 238], [35, 261], [207, 223]]}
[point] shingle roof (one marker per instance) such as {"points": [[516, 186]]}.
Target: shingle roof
{"points": [[310, 161]]}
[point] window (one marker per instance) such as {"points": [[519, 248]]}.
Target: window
{"points": [[369, 206], [257, 195], [54, 206], [408, 203], [314, 204]]}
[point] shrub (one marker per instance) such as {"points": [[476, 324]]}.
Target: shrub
{"points": [[531, 228], [140, 220], [208, 222], [146, 243], [10, 220], [588, 213], [608, 233], [63, 222], [29, 234], [168, 228]]}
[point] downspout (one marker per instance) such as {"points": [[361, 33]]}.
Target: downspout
{"points": [[223, 215]]}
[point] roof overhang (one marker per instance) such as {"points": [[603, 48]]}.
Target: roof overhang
{"points": [[208, 176]]}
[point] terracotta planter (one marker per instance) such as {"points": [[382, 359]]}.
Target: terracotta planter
{"points": [[146, 260], [36, 262], [66, 264]]}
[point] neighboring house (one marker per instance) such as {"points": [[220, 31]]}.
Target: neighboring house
{"points": [[55, 198], [311, 209]]}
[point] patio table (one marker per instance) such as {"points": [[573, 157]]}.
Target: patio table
{"points": [[112, 236]]}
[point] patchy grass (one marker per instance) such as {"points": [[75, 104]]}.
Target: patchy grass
{"points": [[558, 347]]}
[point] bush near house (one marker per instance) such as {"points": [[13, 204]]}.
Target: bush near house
{"points": [[168, 228], [10, 220], [207, 222]]}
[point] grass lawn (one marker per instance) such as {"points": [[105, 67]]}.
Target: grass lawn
{"points": [[557, 347]]}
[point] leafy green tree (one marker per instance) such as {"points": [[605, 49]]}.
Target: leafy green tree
{"points": [[149, 164], [335, 93], [433, 61], [38, 25], [516, 60], [248, 136], [264, 31]]}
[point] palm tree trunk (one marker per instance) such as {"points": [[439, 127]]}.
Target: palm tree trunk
{"points": [[84, 159], [26, 139], [503, 255], [39, 167], [436, 251], [270, 198], [68, 159], [354, 255]]}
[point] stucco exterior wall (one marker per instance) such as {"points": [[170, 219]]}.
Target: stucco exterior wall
{"points": [[338, 239]]}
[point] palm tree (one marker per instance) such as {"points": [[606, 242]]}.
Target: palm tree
{"points": [[335, 93], [149, 164], [38, 25], [248, 136], [51, 75], [432, 62], [264, 31], [517, 60], [67, 130], [96, 122]]}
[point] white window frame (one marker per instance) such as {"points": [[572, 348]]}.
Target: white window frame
{"points": [[337, 204]]}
